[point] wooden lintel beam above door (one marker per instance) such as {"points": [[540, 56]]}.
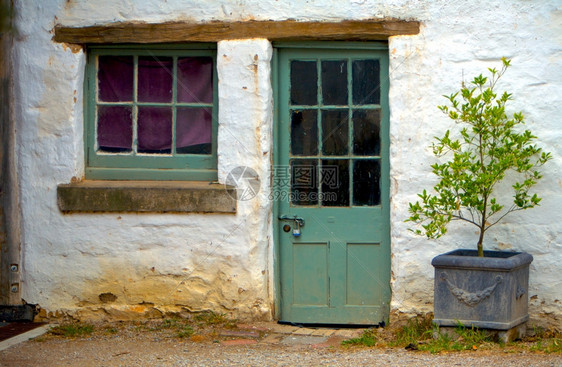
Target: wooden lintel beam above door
{"points": [[287, 30]]}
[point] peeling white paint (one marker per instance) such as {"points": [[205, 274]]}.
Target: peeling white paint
{"points": [[224, 262]]}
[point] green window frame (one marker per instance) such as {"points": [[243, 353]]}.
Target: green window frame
{"points": [[134, 165]]}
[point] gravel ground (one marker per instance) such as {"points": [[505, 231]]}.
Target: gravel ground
{"points": [[151, 350]]}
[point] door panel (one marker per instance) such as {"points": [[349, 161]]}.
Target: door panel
{"points": [[310, 274], [332, 138], [361, 264]]}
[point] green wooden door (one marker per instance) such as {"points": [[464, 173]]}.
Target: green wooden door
{"points": [[332, 171]]}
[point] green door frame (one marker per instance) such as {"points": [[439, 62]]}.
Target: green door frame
{"points": [[382, 45]]}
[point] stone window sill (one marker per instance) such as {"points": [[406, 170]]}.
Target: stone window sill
{"points": [[146, 196]]}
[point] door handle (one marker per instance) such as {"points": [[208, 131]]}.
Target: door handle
{"points": [[294, 218]]}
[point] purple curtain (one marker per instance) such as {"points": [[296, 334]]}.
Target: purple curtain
{"points": [[115, 128], [155, 84], [154, 130], [115, 78], [195, 79], [155, 79], [193, 127]]}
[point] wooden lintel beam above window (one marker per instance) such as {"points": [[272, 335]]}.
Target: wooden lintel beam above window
{"points": [[288, 30]]}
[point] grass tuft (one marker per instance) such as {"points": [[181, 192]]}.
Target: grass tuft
{"points": [[417, 329], [210, 318], [418, 334], [368, 339], [545, 341], [467, 339], [72, 330], [185, 332]]}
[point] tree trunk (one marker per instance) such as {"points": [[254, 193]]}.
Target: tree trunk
{"points": [[479, 245]]}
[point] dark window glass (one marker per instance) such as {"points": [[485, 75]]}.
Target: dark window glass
{"points": [[115, 78], [335, 132], [366, 182], [304, 132], [155, 79], [335, 182], [366, 128], [334, 82], [366, 82], [304, 83], [195, 79], [154, 130], [304, 181], [115, 128], [193, 130]]}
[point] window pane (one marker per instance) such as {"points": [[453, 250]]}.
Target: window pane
{"points": [[155, 79], [334, 132], [334, 82], [366, 178], [115, 128], [194, 130], [304, 83], [366, 82], [335, 182], [366, 127], [195, 79], [304, 132], [154, 130], [115, 78], [304, 181]]}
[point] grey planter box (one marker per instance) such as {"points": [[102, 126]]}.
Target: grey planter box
{"points": [[488, 292]]}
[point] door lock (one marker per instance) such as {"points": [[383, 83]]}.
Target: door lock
{"points": [[298, 223]]}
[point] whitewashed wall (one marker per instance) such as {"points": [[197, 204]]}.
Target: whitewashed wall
{"points": [[159, 262]]}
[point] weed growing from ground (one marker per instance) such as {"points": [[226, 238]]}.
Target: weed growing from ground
{"points": [[185, 332], [209, 318], [368, 339], [417, 329], [548, 346], [111, 330], [546, 341], [418, 334], [466, 339], [71, 330], [202, 322]]}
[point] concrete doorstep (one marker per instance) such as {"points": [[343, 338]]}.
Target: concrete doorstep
{"points": [[33, 333], [288, 335]]}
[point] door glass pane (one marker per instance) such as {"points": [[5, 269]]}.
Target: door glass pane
{"points": [[366, 182], [366, 127], [366, 82], [115, 128], [304, 83], [154, 130], [195, 79], [304, 132], [155, 79], [334, 82], [335, 132], [193, 130], [304, 181], [334, 176], [115, 78]]}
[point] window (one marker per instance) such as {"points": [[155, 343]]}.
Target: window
{"points": [[335, 113], [151, 112]]}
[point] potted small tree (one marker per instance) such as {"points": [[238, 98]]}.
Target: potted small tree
{"points": [[486, 289]]}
